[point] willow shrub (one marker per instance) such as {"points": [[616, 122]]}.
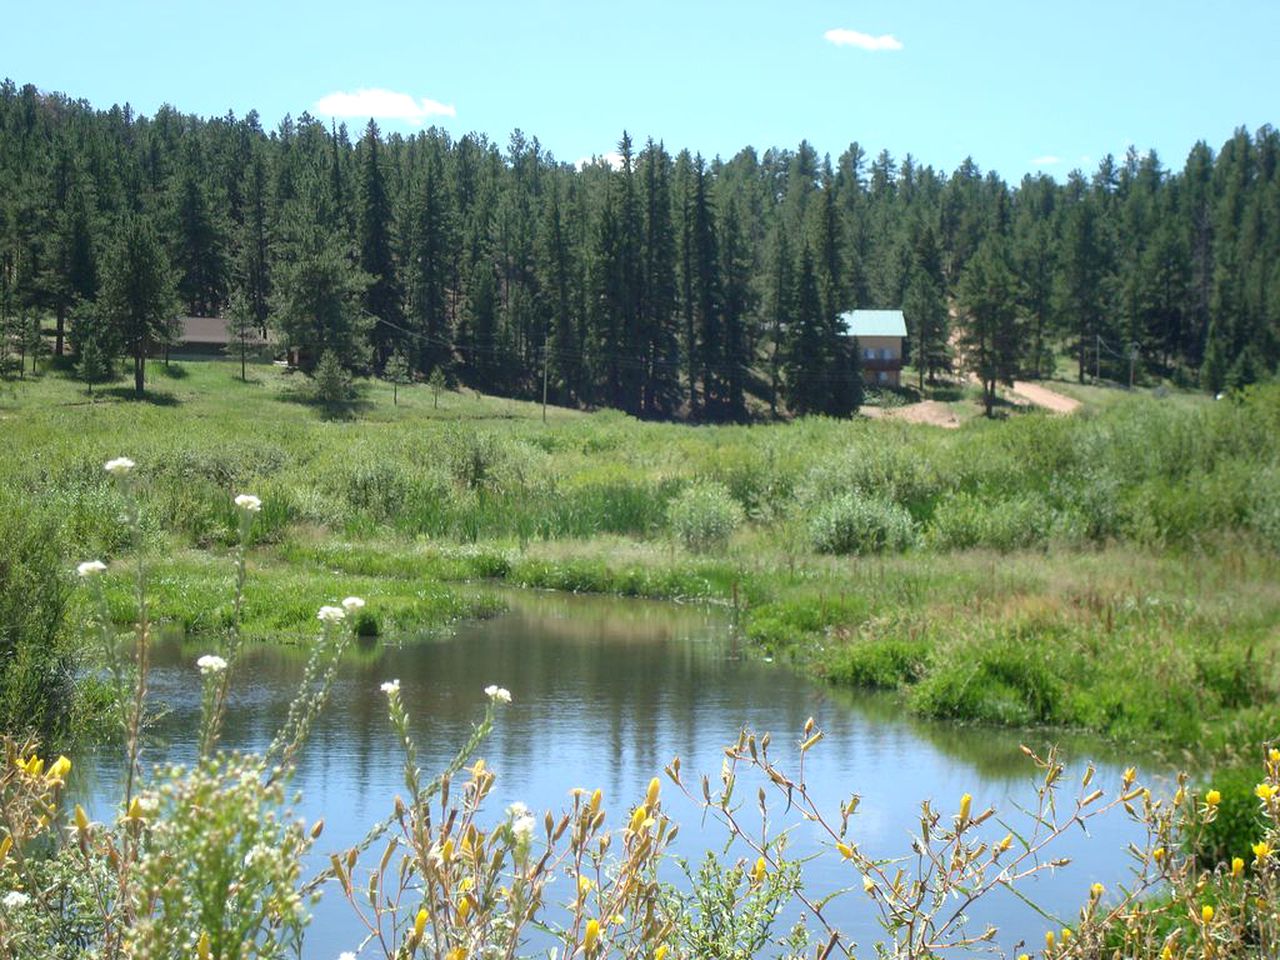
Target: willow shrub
{"points": [[853, 523], [704, 515], [37, 692]]}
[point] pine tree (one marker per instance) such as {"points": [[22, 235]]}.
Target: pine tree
{"points": [[806, 371], [659, 326], [990, 336], [382, 300], [138, 300], [397, 372], [427, 268], [318, 299], [779, 310]]}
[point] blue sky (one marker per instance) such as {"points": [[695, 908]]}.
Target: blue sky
{"points": [[1020, 86]]}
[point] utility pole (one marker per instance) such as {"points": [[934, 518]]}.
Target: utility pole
{"points": [[1097, 357], [1133, 359], [544, 379]]}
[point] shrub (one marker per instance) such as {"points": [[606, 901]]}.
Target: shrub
{"points": [[965, 520], [704, 515], [1238, 823], [331, 385], [857, 524], [36, 689]]}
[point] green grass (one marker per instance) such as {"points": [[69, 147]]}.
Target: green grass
{"points": [[1114, 571]]}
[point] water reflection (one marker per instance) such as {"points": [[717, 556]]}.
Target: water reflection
{"points": [[606, 692]]}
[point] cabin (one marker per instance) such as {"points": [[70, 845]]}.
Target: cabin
{"points": [[209, 336], [881, 336]]}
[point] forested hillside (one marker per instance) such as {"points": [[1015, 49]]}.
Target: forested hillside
{"points": [[662, 284]]}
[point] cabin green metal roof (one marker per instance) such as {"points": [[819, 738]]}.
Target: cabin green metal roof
{"points": [[873, 323]]}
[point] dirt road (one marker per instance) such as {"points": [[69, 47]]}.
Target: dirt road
{"points": [[1044, 397]]}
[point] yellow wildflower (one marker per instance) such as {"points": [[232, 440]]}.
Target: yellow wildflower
{"points": [[585, 885], [202, 946], [1265, 791], [1004, 844], [1206, 913], [655, 786], [846, 851], [1237, 866], [660, 953], [868, 884], [419, 924], [61, 767], [1097, 890], [1158, 854], [1212, 798], [965, 801], [757, 874], [1049, 940], [592, 935], [464, 909], [1274, 755], [1261, 850], [82, 819]]}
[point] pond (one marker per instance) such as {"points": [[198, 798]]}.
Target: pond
{"points": [[606, 692]]}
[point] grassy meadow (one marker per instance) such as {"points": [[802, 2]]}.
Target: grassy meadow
{"points": [[1115, 571]]}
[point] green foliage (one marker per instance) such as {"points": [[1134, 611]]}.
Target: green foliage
{"points": [[727, 916], [37, 692], [704, 516], [332, 387], [223, 859], [1238, 822], [856, 524]]}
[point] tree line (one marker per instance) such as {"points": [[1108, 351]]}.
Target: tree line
{"points": [[663, 284]]}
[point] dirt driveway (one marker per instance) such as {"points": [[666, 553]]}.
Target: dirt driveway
{"points": [[927, 411], [1040, 396]]}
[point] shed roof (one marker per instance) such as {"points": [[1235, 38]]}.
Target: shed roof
{"points": [[208, 330], [873, 323]]}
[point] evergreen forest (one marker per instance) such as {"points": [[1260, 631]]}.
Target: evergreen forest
{"points": [[657, 281]]}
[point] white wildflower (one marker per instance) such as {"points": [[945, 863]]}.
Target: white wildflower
{"points": [[518, 810], [211, 663], [91, 568], [247, 501], [331, 614], [119, 466], [391, 687], [148, 803], [352, 604], [523, 828], [15, 899], [497, 694]]}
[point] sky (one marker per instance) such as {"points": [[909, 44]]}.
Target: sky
{"points": [[1020, 85]]}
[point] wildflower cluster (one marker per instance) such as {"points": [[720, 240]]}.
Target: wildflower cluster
{"points": [[449, 886]]}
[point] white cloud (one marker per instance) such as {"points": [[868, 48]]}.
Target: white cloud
{"points": [[612, 159], [842, 37], [382, 105], [1047, 160]]}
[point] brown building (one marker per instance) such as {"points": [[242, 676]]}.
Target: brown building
{"points": [[881, 335]]}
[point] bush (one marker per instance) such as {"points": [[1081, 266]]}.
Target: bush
{"points": [[704, 515], [856, 524], [964, 520], [1239, 823], [36, 690], [331, 385]]}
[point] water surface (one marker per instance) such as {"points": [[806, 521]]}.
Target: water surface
{"points": [[606, 692]]}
